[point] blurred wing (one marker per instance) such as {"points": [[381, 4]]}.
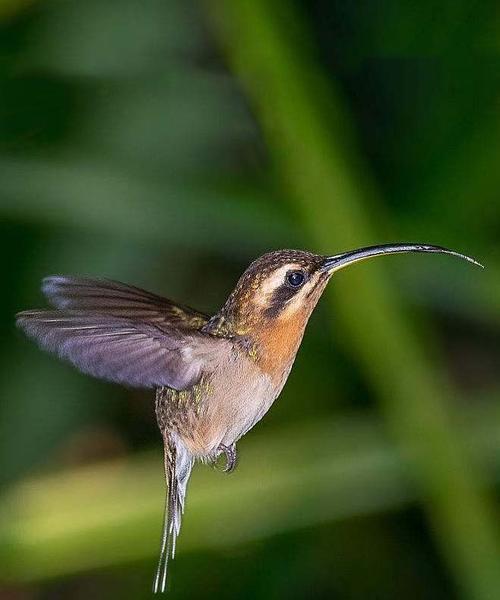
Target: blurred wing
{"points": [[117, 299], [119, 333]]}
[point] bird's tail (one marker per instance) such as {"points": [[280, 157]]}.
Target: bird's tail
{"points": [[178, 465]]}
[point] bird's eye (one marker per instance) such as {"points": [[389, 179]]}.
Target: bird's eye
{"points": [[295, 278]]}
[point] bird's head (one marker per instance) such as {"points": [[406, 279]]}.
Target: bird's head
{"points": [[284, 286]]}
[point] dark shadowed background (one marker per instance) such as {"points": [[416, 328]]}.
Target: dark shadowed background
{"points": [[167, 143]]}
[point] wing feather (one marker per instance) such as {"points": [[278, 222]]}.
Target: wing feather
{"points": [[117, 299], [119, 333]]}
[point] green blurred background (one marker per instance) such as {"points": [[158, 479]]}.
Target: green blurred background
{"points": [[166, 143]]}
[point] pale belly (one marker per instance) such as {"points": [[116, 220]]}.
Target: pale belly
{"points": [[233, 405]]}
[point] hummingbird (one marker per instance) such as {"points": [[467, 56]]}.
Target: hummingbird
{"points": [[214, 377]]}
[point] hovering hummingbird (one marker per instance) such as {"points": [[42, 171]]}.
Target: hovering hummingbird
{"points": [[214, 377]]}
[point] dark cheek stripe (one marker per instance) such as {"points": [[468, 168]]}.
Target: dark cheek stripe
{"points": [[279, 298]]}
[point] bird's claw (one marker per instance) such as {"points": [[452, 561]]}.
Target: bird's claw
{"points": [[231, 456]]}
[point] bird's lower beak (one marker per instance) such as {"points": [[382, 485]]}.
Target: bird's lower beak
{"points": [[339, 261]]}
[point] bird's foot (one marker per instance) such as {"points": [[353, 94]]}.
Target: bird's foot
{"points": [[231, 456]]}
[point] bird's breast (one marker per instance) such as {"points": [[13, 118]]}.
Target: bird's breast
{"points": [[242, 385], [236, 394]]}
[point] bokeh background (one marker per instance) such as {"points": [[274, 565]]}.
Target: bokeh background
{"points": [[166, 143]]}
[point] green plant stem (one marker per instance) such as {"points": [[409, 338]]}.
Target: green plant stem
{"points": [[309, 142]]}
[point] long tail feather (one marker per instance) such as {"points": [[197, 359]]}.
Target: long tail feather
{"points": [[178, 465]]}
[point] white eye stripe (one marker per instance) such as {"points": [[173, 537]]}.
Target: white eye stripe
{"points": [[274, 281]]}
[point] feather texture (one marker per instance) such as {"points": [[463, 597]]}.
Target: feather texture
{"points": [[178, 464], [119, 333], [119, 300]]}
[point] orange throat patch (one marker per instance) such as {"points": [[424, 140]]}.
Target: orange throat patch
{"points": [[278, 342]]}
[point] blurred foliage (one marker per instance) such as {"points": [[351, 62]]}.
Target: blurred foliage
{"points": [[166, 143]]}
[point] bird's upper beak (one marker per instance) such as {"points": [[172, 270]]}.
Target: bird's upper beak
{"points": [[339, 261]]}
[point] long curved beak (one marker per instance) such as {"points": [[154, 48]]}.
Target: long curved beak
{"points": [[339, 261]]}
